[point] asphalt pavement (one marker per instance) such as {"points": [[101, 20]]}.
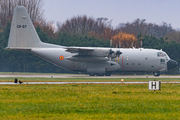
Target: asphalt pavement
{"points": [[87, 76]]}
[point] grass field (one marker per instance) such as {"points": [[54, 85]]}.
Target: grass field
{"points": [[88, 101]]}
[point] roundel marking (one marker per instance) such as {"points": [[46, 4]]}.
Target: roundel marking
{"points": [[61, 57]]}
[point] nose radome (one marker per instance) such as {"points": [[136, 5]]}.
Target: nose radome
{"points": [[171, 64]]}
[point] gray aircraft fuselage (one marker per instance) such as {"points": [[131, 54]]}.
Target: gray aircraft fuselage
{"points": [[92, 60], [149, 60]]}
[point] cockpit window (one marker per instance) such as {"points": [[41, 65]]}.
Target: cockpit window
{"points": [[162, 61], [161, 54]]}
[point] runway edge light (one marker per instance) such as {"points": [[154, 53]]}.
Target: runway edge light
{"points": [[154, 85]]}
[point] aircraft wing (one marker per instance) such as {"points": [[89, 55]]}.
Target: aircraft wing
{"points": [[78, 49], [87, 54]]}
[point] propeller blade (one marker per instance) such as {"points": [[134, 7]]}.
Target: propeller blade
{"points": [[110, 53], [118, 53]]}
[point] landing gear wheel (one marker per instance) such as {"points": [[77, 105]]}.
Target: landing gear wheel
{"points": [[91, 74], [100, 74], [156, 74], [108, 74]]}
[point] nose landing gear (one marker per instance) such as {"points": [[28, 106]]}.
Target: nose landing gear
{"points": [[156, 74]]}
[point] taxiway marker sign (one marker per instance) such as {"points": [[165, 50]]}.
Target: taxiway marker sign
{"points": [[154, 85]]}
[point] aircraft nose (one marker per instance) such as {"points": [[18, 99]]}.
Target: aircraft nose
{"points": [[171, 64]]}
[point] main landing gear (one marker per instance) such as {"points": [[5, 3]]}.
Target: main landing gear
{"points": [[100, 74], [92, 74]]}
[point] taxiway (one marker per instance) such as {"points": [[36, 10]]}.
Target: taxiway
{"points": [[12, 83], [87, 76]]}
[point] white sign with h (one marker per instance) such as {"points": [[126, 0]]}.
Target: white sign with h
{"points": [[154, 85]]}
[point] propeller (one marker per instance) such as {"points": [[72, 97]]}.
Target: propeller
{"points": [[118, 53], [110, 53]]}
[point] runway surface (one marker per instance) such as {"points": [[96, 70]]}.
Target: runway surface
{"points": [[12, 83], [83, 76], [87, 76]]}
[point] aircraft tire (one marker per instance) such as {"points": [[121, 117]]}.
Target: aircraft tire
{"points": [[156, 74], [108, 74], [91, 74], [100, 74]]}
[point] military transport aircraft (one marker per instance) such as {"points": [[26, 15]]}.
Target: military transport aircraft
{"points": [[92, 60]]}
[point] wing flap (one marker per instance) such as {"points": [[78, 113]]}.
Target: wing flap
{"points": [[87, 59], [78, 49], [18, 48]]}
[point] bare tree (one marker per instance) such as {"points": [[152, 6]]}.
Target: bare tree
{"points": [[141, 27], [173, 36], [34, 8], [83, 25], [160, 31], [136, 27]]}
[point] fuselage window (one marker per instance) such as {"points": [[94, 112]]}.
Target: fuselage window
{"points": [[162, 61]]}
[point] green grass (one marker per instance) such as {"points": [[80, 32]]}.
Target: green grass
{"points": [[89, 101]]}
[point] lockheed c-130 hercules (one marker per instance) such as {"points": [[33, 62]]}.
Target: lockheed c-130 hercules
{"points": [[92, 60]]}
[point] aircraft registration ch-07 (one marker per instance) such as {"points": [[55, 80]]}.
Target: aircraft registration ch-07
{"points": [[21, 26], [92, 60]]}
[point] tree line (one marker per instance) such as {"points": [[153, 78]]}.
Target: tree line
{"points": [[81, 31]]}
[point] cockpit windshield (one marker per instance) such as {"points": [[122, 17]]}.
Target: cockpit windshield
{"points": [[162, 54]]}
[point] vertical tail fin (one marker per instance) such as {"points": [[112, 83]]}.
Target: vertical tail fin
{"points": [[23, 33]]}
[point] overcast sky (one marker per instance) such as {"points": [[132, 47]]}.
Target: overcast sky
{"points": [[120, 11]]}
